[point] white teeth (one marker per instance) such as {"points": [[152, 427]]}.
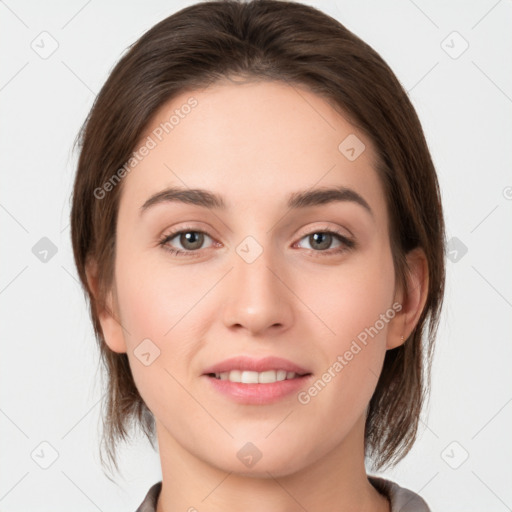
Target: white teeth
{"points": [[267, 377], [235, 376], [248, 377]]}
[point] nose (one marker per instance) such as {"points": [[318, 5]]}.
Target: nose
{"points": [[258, 296]]}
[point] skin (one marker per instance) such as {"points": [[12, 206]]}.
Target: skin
{"points": [[255, 144]]}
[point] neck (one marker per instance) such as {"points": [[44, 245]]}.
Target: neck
{"points": [[336, 482]]}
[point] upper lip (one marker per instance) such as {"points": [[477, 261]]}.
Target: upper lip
{"points": [[245, 363]]}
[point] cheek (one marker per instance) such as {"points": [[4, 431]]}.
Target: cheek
{"points": [[356, 305], [156, 309], [154, 314], [354, 297], [155, 297]]}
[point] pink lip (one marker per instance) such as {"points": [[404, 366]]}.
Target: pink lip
{"points": [[257, 394], [245, 363]]}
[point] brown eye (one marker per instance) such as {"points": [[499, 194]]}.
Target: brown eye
{"points": [[184, 242], [191, 240], [328, 242], [320, 240]]}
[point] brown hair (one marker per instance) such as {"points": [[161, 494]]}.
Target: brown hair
{"points": [[297, 44]]}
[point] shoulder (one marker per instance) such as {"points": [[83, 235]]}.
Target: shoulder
{"points": [[149, 502], [402, 499]]}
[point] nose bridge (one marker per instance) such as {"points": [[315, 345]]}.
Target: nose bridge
{"points": [[257, 298]]}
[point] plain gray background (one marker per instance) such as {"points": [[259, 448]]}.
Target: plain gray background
{"points": [[454, 60]]}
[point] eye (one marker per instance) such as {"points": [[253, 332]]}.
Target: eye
{"points": [[319, 241], [190, 240]]}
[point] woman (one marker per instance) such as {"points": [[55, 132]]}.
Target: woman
{"points": [[257, 224]]}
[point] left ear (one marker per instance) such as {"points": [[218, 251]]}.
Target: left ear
{"points": [[412, 299]]}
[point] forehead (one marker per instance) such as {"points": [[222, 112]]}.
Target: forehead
{"points": [[247, 141]]}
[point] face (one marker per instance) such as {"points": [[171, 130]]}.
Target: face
{"points": [[267, 274]]}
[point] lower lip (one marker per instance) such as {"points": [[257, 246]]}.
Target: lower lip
{"points": [[258, 394]]}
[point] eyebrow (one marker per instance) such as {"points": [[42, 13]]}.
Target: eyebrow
{"points": [[301, 199]]}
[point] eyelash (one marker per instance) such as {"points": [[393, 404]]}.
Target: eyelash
{"points": [[348, 244]]}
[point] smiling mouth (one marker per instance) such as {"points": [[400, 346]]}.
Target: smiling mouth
{"points": [[251, 377]]}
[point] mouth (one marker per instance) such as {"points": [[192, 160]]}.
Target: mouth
{"points": [[250, 381]]}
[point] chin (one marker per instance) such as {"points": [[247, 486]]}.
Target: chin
{"points": [[249, 461]]}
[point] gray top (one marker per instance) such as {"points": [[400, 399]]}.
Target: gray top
{"points": [[401, 499]]}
